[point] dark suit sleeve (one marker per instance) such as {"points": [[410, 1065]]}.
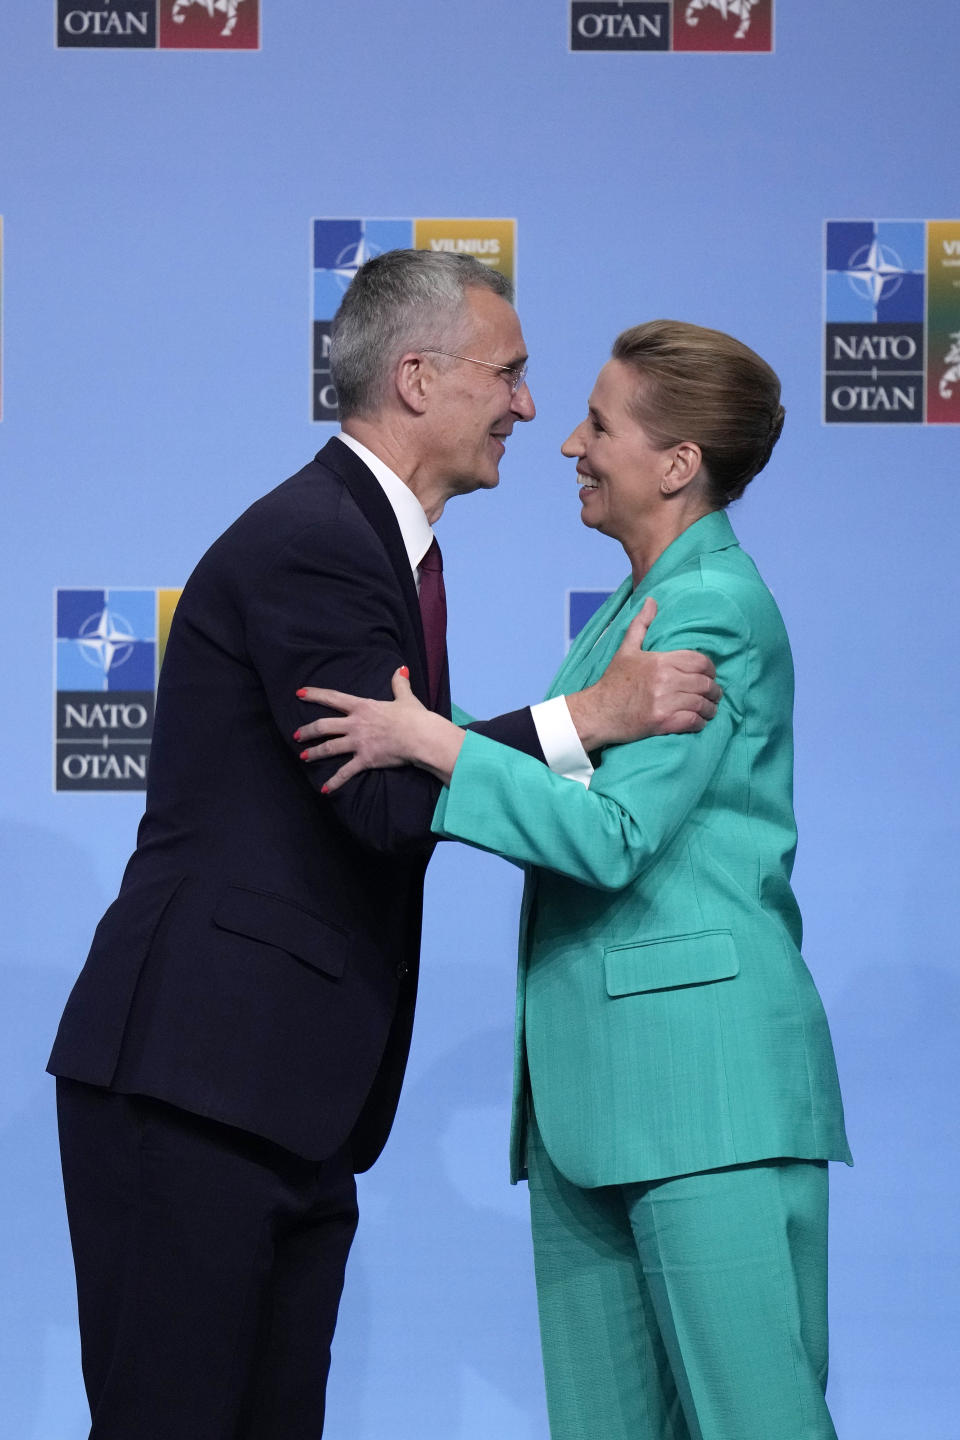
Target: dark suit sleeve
{"points": [[329, 613], [515, 729]]}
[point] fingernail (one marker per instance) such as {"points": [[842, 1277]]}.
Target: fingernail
{"points": [[296, 734], [324, 789], [404, 672], [304, 754], [300, 694]]}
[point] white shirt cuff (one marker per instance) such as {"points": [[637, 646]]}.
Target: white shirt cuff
{"points": [[559, 740]]}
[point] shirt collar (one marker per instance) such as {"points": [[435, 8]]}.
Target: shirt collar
{"points": [[415, 528]]}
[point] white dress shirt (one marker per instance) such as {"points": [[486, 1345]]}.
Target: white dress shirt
{"points": [[415, 528], [555, 729]]}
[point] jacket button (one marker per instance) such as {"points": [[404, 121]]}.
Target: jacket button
{"points": [[403, 969]]}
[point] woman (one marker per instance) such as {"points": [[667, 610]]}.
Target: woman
{"points": [[676, 1097]]}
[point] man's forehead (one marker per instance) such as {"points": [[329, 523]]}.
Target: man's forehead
{"points": [[494, 319]]}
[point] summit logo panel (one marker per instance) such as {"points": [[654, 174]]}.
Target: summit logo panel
{"points": [[708, 26], [340, 247], [159, 25], [892, 322], [108, 648]]}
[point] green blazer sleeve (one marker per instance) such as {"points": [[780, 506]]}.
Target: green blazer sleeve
{"points": [[640, 794]]}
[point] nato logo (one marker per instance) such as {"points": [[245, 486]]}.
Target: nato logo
{"points": [[874, 336], [109, 644], [892, 313]]}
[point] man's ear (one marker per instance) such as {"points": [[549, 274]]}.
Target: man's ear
{"points": [[685, 463], [412, 381]]}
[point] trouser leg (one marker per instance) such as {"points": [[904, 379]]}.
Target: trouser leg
{"points": [[287, 1396], [185, 1234], [605, 1366], [735, 1263]]}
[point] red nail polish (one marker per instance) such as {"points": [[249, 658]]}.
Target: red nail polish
{"points": [[296, 734], [404, 672], [300, 694], [304, 755], [324, 789]]}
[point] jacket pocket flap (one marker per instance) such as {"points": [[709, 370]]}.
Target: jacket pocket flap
{"points": [[281, 922], [672, 961]]}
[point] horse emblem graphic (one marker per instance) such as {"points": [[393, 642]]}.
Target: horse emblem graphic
{"points": [[227, 8], [739, 9], [952, 376]]}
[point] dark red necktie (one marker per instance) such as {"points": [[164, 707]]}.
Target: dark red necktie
{"points": [[433, 613]]}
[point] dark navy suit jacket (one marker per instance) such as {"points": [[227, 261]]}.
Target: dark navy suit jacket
{"points": [[259, 965]]}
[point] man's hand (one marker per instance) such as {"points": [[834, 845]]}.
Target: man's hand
{"points": [[645, 693]]}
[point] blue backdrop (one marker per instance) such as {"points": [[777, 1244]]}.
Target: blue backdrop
{"points": [[156, 309]]}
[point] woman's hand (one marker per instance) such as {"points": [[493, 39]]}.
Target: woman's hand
{"points": [[379, 734]]}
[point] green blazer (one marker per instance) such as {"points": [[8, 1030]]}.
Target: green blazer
{"points": [[666, 1022]]}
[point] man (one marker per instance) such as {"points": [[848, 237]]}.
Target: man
{"points": [[233, 1050]]}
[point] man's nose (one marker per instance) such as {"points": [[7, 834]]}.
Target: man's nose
{"points": [[523, 406]]}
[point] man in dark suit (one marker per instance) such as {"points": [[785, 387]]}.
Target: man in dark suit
{"points": [[232, 1052]]}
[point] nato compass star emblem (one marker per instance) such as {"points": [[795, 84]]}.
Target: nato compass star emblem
{"points": [[106, 640], [350, 259], [875, 272]]}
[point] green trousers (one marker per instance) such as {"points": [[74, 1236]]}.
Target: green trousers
{"points": [[693, 1308]]}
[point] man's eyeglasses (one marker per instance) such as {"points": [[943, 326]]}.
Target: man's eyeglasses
{"points": [[517, 373]]}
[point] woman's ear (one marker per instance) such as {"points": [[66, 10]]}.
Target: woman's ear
{"points": [[685, 464]]}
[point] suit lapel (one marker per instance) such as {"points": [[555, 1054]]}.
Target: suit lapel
{"points": [[593, 648], [580, 651], [377, 509]]}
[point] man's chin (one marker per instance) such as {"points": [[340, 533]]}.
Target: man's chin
{"points": [[487, 481]]}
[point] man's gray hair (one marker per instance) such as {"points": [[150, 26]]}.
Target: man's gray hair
{"points": [[399, 301]]}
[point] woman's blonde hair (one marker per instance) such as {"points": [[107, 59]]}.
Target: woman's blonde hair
{"points": [[705, 386]]}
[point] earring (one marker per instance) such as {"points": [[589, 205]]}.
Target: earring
{"points": [[665, 489]]}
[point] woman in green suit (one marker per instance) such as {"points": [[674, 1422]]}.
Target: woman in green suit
{"points": [[676, 1096]]}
